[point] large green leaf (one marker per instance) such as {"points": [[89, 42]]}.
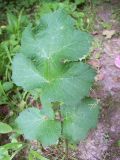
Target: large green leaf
{"points": [[55, 38], [4, 154], [45, 52], [71, 87], [36, 125], [78, 120], [5, 128]]}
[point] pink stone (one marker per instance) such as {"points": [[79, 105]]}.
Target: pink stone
{"points": [[117, 61]]}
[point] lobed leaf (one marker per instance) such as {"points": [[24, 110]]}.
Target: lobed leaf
{"points": [[46, 59], [79, 120], [36, 125]]}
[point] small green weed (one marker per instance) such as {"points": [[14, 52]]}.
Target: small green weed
{"points": [[46, 63]]}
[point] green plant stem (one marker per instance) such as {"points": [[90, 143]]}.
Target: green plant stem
{"points": [[13, 155], [66, 150], [25, 96], [8, 54], [61, 119], [2, 90]]}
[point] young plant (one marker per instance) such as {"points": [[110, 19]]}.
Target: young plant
{"points": [[48, 65], [9, 150], [16, 23]]}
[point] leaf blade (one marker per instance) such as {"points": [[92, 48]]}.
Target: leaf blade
{"points": [[36, 125], [5, 128], [75, 125]]}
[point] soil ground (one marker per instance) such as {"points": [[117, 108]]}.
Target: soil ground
{"points": [[102, 142]]}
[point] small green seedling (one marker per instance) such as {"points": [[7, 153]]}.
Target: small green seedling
{"points": [[48, 62]]}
